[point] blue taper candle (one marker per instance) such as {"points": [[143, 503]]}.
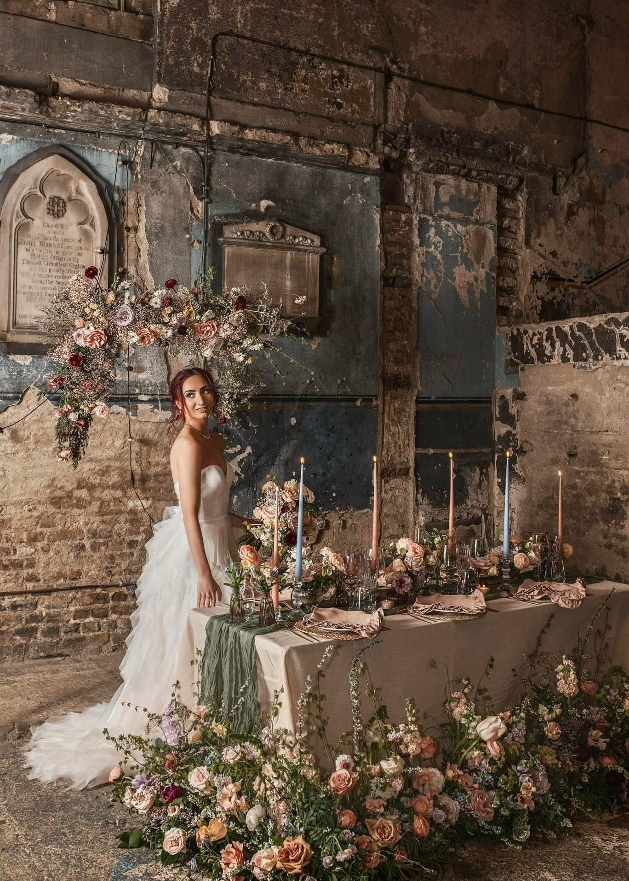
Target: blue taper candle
{"points": [[506, 530], [300, 526]]}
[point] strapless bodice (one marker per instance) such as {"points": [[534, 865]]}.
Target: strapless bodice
{"points": [[215, 488]]}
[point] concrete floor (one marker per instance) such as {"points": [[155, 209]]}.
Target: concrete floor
{"points": [[51, 834]]}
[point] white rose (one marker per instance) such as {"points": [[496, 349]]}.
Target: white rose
{"points": [[254, 817], [264, 860], [392, 766], [127, 798], [174, 841], [201, 779], [143, 799], [491, 728]]}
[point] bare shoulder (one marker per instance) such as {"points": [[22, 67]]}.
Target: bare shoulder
{"points": [[186, 448]]}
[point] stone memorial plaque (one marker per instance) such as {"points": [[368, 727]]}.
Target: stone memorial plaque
{"points": [[285, 258], [53, 224]]}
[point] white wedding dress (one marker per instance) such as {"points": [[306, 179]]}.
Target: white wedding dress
{"points": [[73, 748]]}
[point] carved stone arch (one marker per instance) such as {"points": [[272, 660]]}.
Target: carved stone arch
{"points": [[57, 216]]}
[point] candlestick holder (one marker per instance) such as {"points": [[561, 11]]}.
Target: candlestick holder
{"points": [[301, 600], [505, 575]]}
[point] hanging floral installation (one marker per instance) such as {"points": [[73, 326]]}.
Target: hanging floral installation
{"points": [[93, 326]]}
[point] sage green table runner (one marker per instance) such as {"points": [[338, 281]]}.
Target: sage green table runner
{"points": [[228, 669]]}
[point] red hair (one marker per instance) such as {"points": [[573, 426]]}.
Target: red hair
{"points": [[176, 392]]}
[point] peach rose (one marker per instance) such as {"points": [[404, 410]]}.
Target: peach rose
{"points": [[588, 686], [249, 556], [214, 831], [553, 731], [375, 805], [400, 855], [232, 856], [201, 779], [174, 841], [347, 819], [265, 860], [115, 774], [294, 854], [385, 832], [607, 761], [144, 337], [480, 802], [364, 842], [422, 805], [429, 780], [342, 781], [95, 340], [205, 330], [143, 799], [421, 826]]}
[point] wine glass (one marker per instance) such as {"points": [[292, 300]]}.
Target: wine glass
{"points": [[480, 547]]}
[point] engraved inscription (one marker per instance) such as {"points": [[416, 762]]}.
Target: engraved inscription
{"points": [[53, 225]]}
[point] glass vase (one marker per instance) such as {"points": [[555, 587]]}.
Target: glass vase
{"points": [[266, 612], [236, 608]]}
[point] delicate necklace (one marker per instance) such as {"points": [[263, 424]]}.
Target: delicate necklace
{"points": [[206, 436]]}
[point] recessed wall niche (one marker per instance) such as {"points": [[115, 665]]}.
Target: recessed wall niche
{"points": [[56, 219]]}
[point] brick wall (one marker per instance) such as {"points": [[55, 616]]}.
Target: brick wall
{"points": [[64, 622]]}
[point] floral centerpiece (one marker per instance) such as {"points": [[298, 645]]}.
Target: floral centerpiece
{"points": [[322, 567], [409, 563], [93, 326]]}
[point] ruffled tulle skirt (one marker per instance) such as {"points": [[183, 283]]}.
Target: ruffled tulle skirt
{"points": [[72, 748]]}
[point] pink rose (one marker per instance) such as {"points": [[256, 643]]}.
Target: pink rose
{"points": [[347, 819], [480, 802], [494, 748], [429, 780], [205, 330], [428, 748], [115, 774], [588, 686]]}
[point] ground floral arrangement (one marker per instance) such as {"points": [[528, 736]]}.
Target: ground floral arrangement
{"points": [[394, 799], [93, 327]]}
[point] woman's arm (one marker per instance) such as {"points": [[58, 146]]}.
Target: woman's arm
{"points": [[189, 463]]}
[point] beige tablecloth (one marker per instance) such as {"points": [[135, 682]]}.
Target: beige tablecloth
{"points": [[400, 662]]}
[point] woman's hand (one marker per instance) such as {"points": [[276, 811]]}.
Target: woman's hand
{"points": [[208, 592]]}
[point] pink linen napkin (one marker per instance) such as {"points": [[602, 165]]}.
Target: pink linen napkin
{"points": [[569, 596], [457, 604], [368, 625]]}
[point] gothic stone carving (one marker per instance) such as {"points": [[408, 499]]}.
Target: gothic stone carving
{"points": [[284, 257], [52, 225]]}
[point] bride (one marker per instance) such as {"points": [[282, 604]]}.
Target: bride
{"points": [[185, 566]]}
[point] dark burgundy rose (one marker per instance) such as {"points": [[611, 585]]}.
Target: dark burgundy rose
{"points": [[55, 382], [221, 420], [168, 301], [75, 360], [170, 284], [614, 778], [80, 424], [91, 272], [182, 330], [172, 792], [240, 303], [284, 509], [290, 539]]}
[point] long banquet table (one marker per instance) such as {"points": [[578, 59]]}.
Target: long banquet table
{"points": [[400, 661]]}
